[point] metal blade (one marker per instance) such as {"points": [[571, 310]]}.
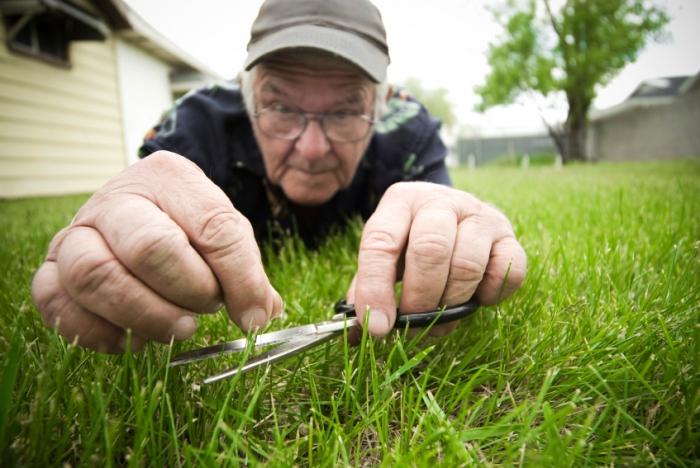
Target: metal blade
{"points": [[280, 336], [276, 354]]}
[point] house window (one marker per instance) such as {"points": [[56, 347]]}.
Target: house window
{"points": [[44, 36], [44, 29]]}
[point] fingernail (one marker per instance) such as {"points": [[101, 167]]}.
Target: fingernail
{"points": [[254, 318], [377, 323], [183, 328], [277, 306]]}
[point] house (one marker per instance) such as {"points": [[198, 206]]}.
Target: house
{"points": [[484, 150], [80, 83], [659, 120]]}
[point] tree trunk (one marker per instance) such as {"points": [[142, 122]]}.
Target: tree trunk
{"points": [[575, 128], [557, 134], [575, 141]]}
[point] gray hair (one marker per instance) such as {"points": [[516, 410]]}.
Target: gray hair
{"points": [[247, 78]]}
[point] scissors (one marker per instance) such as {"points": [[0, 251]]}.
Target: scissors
{"points": [[292, 341]]}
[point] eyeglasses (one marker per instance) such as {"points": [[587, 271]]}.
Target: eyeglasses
{"points": [[283, 122]]}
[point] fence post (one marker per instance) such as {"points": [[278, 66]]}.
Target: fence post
{"points": [[525, 162], [558, 162]]}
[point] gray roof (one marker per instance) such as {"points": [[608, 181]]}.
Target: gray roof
{"points": [[666, 86], [653, 92]]}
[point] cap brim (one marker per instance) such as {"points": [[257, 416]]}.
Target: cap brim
{"points": [[347, 45]]}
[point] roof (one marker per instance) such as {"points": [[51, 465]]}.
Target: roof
{"points": [[667, 86], [134, 29], [692, 83], [653, 92]]}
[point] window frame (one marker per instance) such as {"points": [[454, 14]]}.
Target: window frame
{"points": [[44, 29], [32, 20]]}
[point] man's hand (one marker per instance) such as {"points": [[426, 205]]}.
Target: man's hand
{"points": [[445, 244], [156, 244]]}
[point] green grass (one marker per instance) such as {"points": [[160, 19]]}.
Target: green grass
{"points": [[594, 361], [516, 160]]}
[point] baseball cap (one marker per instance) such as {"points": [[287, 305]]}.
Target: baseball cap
{"points": [[351, 29]]}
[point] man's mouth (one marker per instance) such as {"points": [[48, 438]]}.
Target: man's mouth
{"points": [[313, 170]]}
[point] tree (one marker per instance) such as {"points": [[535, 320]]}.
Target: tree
{"points": [[435, 100], [572, 50]]}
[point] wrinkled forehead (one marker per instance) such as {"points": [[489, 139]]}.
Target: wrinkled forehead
{"points": [[286, 71]]}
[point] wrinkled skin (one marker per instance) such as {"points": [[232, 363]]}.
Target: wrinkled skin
{"points": [[455, 247], [160, 243], [154, 246], [312, 168]]}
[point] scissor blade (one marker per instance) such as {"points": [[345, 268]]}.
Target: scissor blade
{"points": [[240, 344], [280, 336], [276, 354]]}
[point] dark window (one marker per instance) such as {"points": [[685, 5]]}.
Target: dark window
{"points": [[44, 36], [44, 29]]}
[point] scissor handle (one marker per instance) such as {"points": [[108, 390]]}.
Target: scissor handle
{"points": [[422, 319]]}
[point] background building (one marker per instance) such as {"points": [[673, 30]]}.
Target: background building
{"points": [[660, 120], [489, 149], [80, 83]]}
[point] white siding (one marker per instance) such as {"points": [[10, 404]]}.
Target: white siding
{"points": [[60, 129], [144, 83]]}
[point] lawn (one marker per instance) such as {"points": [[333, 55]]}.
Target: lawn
{"points": [[595, 361]]}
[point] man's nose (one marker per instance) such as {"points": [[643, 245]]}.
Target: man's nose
{"points": [[312, 143]]}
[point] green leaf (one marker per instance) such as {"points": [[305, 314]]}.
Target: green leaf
{"points": [[572, 51], [410, 364], [7, 383]]}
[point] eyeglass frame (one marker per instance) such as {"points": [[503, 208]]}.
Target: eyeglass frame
{"points": [[317, 116]]}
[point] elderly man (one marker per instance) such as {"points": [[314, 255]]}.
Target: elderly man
{"points": [[311, 137]]}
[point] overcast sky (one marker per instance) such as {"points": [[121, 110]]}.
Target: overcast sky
{"points": [[441, 42]]}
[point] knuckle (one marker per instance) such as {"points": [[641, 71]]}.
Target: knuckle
{"points": [[48, 297], [428, 190], [143, 323], [396, 189], [502, 282], [517, 277], [160, 157], [89, 272], [466, 270], [256, 288], [50, 311], [224, 232], [155, 245], [166, 161], [50, 304], [510, 263], [163, 165], [87, 335], [496, 217], [380, 241], [430, 249], [513, 275]]}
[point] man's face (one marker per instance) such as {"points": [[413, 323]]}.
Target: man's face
{"points": [[311, 168]]}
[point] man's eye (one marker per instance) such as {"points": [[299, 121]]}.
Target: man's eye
{"points": [[281, 108]]}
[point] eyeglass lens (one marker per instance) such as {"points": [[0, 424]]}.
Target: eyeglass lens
{"points": [[289, 125]]}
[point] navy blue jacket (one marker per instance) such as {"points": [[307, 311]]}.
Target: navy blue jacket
{"points": [[211, 127]]}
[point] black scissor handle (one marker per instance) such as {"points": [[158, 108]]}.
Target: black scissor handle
{"points": [[422, 319]]}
